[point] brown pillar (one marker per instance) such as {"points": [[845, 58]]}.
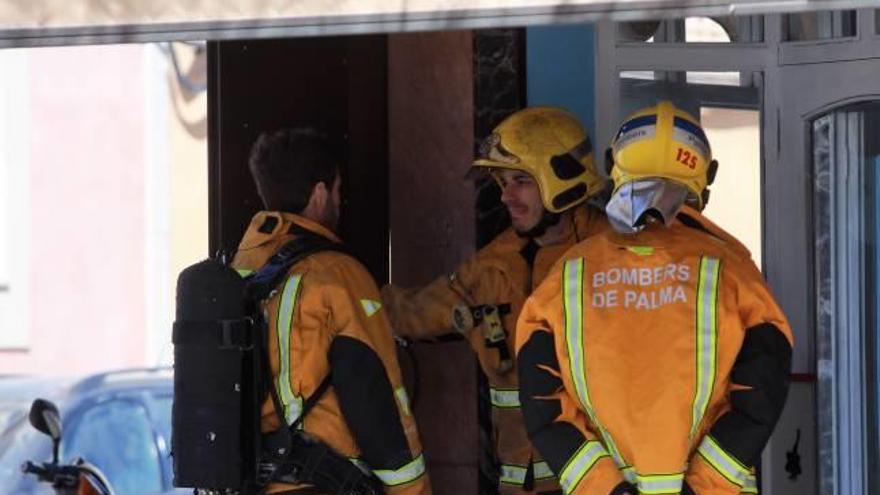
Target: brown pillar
{"points": [[431, 133]]}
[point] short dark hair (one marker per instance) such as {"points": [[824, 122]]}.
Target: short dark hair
{"points": [[288, 163]]}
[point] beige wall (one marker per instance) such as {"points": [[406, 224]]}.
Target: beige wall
{"points": [[188, 173], [188, 165], [735, 202]]}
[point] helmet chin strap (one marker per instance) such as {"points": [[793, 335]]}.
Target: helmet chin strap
{"points": [[548, 219]]}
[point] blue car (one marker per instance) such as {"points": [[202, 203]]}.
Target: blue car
{"points": [[119, 421]]}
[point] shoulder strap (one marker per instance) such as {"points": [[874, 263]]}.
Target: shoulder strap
{"points": [[310, 402], [261, 283]]}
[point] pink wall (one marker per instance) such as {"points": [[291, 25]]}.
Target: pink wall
{"points": [[86, 211]]}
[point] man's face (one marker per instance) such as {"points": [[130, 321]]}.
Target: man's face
{"points": [[522, 197], [334, 200]]}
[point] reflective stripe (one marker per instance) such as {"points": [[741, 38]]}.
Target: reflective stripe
{"points": [[573, 296], [292, 404], [687, 133], [370, 306], [243, 272], [707, 338], [580, 463], [751, 485], [723, 462], [513, 474], [361, 465], [660, 483], [639, 128], [403, 400], [504, 398], [641, 250], [543, 471], [410, 472]]}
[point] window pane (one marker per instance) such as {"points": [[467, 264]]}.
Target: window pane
{"points": [[714, 78], [872, 339], [692, 89], [117, 437], [819, 25], [644, 75], [748, 29], [639, 31], [705, 30], [824, 292]]}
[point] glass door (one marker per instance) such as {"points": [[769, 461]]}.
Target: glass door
{"points": [[846, 154]]}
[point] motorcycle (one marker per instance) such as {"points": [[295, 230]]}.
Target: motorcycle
{"points": [[77, 478]]}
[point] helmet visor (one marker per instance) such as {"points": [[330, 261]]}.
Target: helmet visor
{"points": [[635, 202]]}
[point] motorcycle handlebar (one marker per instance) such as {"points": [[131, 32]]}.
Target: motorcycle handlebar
{"points": [[59, 476], [38, 469]]}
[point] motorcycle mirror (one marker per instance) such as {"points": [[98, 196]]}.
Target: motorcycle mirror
{"points": [[44, 417]]}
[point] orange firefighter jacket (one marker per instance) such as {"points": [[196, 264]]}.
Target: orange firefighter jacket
{"points": [[658, 360], [695, 219], [504, 272], [327, 318]]}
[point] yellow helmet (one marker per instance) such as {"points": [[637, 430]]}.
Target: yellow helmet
{"points": [[549, 144], [663, 142]]}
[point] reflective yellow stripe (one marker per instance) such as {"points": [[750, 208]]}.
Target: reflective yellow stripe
{"points": [[243, 272], [707, 338], [403, 400], [370, 306], [723, 462], [751, 485], [641, 250], [660, 483], [292, 404], [513, 474], [580, 463], [573, 297], [504, 398], [410, 472]]}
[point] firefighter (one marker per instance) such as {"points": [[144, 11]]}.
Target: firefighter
{"points": [[542, 159], [654, 359], [326, 319]]}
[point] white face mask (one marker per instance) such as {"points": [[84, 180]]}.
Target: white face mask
{"points": [[634, 203]]}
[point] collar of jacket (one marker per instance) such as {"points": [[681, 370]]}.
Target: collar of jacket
{"points": [[268, 225]]}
